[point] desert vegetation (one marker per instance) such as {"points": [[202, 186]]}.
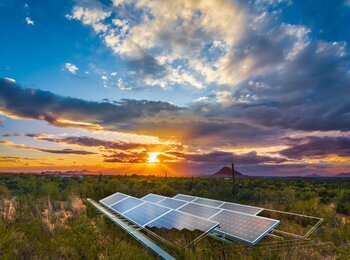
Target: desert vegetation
{"points": [[47, 217]]}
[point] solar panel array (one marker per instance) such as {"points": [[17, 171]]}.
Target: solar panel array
{"points": [[237, 221], [143, 212]]}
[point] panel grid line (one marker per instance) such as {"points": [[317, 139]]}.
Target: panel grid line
{"points": [[157, 218]]}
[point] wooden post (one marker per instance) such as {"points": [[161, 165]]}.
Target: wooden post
{"points": [[234, 191]]}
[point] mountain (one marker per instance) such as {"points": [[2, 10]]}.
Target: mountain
{"points": [[343, 175], [227, 172]]}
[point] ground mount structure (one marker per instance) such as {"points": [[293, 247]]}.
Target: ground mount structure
{"points": [[226, 221]]}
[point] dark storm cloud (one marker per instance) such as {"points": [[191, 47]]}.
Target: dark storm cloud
{"points": [[95, 142], [65, 151], [294, 83], [314, 146], [146, 65], [227, 158], [11, 145], [106, 144], [127, 157], [44, 105]]}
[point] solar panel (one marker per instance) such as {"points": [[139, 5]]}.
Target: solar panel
{"points": [[114, 198], [180, 220], [153, 198], [241, 208], [220, 204], [126, 205], [244, 227], [145, 213], [172, 203], [208, 202], [199, 210], [184, 197]]}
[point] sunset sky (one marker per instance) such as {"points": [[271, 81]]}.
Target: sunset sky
{"points": [[183, 87]]}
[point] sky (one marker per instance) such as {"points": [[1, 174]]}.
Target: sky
{"points": [[175, 87]]}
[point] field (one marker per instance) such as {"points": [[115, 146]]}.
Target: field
{"points": [[47, 217]]}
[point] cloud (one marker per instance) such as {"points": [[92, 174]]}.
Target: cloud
{"points": [[127, 157], [220, 157], [11, 145], [29, 21], [73, 112], [65, 151], [92, 16], [71, 68], [11, 80], [317, 147], [96, 142]]}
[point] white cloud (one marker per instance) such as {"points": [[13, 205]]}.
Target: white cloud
{"points": [[114, 74], [92, 16], [104, 78], [224, 98], [201, 100], [29, 21], [71, 68], [122, 85], [10, 80]]}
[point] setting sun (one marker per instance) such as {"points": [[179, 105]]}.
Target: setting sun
{"points": [[153, 157]]}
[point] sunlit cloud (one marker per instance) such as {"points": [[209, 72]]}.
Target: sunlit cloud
{"points": [[71, 67], [29, 21]]}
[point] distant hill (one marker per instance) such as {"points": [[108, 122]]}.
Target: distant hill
{"points": [[343, 175], [314, 176], [227, 172]]}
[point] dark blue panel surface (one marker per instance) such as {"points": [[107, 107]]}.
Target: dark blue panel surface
{"points": [[145, 213], [126, 204], [241, 208], [113, 198], [199, 210], [172, 203], [179, 220], [244, 227], [184, 197], [153, 198], [208, 202]]}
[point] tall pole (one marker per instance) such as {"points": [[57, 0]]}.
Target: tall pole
{"points": [[233, 183]]}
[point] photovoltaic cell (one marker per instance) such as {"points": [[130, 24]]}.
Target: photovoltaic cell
{"points": [[184, 197], [208, 202], [179, 220], [241, 208], [153, 198], [172, 203], [199, 210], [244, 227], [144, 213], [126, 204], [221, 204], [113, 198]]}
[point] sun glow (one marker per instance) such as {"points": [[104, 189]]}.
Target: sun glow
{"points": [[153, 157]]}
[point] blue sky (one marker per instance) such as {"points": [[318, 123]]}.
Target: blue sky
{"points": [[251, 81]]}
